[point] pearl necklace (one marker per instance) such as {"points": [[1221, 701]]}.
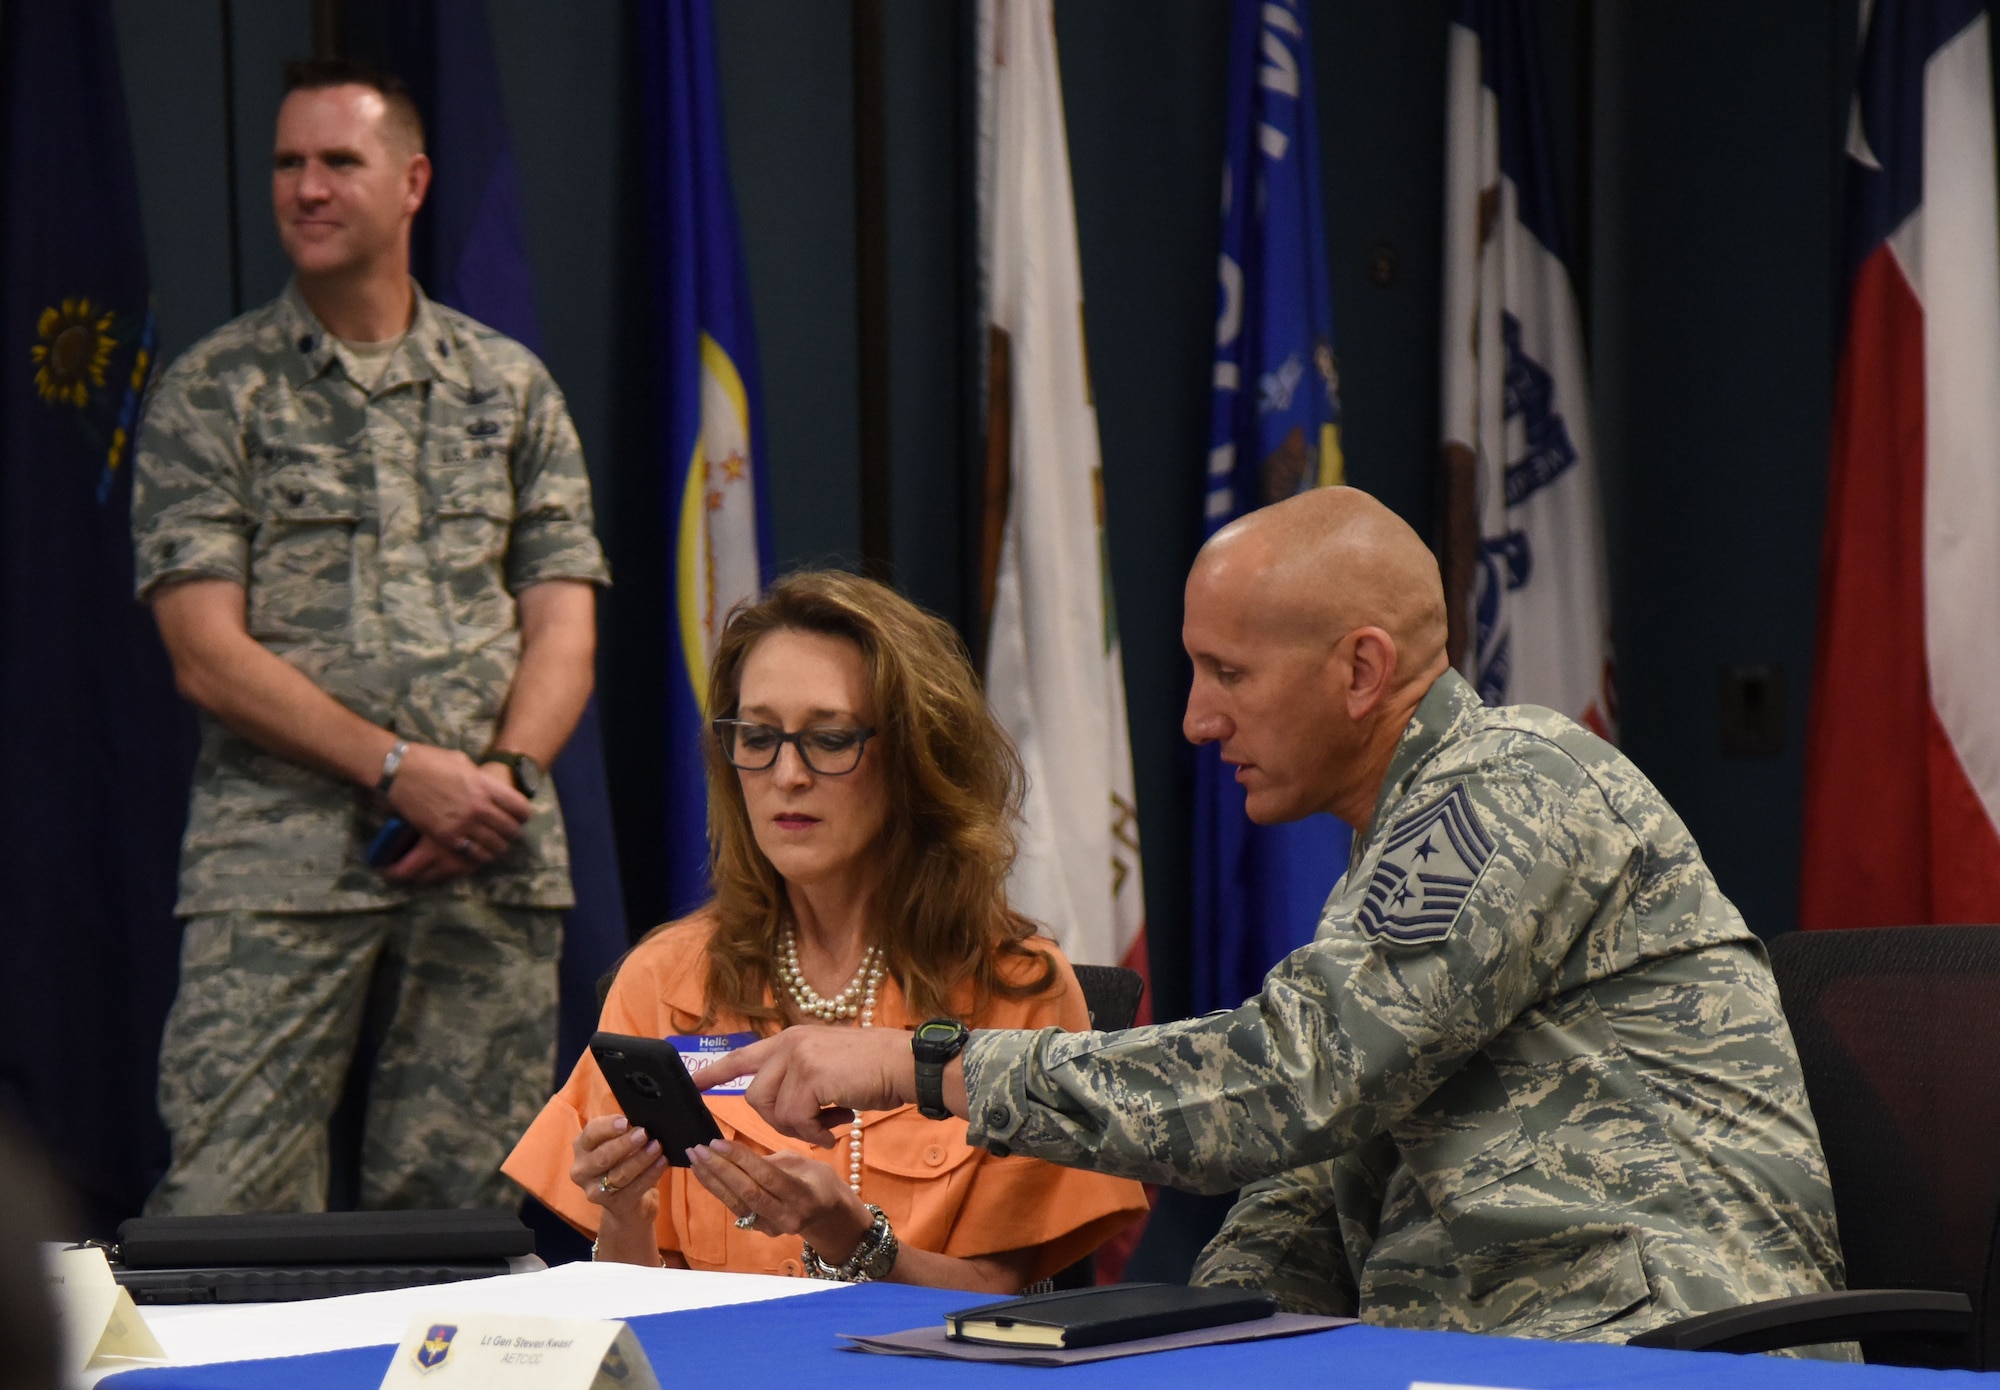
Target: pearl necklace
{"points": [[843, 1005]]}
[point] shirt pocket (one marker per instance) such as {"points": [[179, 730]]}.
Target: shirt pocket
{"points": [[302, 555], [707, 1231], [1562, 1285], [906, 1157], [473, 523]]}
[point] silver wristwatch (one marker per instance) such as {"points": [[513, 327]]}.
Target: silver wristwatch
{"points": [[872, 1259], [392, 763]]}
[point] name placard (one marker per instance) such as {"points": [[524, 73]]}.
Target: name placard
{"points": [[505, 1349], [100, 1322]]}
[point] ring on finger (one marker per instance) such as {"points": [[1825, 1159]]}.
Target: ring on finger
{"points": [[747, 1221], [604, 1184], [464, 848]]}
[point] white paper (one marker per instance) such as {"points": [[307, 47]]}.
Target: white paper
{"points": [[202, 1334], [100, 1323], [444, 1348]]}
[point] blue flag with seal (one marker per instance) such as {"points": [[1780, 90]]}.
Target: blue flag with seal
{"points": [[1274, 431], [716, 513], [98, 748], [470, 250]]}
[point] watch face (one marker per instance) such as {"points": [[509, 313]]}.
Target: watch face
{"points": [[938, 1040], [527, 776]]}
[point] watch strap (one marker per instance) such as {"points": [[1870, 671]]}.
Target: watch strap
{"points": [[527, 782], [930, 1091], [932, 1056]]}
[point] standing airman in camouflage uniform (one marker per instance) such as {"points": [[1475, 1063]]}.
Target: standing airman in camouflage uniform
{"points": [[1531, 1077], [364, 525]]}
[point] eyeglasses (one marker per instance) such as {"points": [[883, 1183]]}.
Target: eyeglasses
{"points": [[828, 749]]}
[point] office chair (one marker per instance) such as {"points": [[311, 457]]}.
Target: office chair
{"points": [[1898, 1032], [1112, 994]]}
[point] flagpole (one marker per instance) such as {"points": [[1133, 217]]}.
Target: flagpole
{"points": [[229, 158], [871, 284], [326, 18]]}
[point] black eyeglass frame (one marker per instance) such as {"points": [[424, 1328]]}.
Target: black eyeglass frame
{"points": [[722, 728]]}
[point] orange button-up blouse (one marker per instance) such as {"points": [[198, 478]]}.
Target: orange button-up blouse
{"points": [[939, 1192]]}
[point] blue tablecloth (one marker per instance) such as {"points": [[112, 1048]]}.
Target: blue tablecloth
{"points": [[793, 1342]]}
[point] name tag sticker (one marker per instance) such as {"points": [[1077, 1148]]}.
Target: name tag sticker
{"points": [[506, 1349], [101, 1325], [699, 1049]]}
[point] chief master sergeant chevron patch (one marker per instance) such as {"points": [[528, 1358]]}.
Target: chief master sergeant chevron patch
{"points": [[1433, 858]]}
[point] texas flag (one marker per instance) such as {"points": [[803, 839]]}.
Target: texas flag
{"points": [[1903, 766]]}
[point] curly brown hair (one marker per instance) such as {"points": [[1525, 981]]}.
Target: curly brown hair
{"points": [[956, 786]]}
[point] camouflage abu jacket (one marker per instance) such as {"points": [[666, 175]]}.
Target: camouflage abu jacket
{"points": [[1531, 1077], [380, 538]]}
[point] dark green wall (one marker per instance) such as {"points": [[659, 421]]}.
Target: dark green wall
{"points": [[1715, 327], [1701, 146]]}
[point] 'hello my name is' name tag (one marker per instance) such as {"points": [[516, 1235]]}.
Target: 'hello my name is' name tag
{"points": [[507, 1349], [699, 1049]]}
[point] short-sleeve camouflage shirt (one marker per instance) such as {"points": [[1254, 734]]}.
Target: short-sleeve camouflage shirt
{"points": [[381, 536], [1530, 1077]]}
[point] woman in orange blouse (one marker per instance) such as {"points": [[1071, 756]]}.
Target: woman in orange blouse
{"points": [[861, 799]]}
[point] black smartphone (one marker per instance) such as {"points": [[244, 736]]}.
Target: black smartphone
{"points": [[396, 838], [651, 1085]]}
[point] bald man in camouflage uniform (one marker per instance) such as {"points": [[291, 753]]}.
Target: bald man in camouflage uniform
{"points": [[364, 525], [1531, 1076]]}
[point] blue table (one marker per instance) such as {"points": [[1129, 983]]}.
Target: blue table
{"points": [[793, 1343]]}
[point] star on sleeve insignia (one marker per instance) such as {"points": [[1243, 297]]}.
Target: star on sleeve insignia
{"points": [[1433, 858]]}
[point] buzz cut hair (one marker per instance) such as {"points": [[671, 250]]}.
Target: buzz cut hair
{"points": [[317, 74]]}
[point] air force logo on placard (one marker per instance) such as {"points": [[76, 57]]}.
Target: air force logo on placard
{"points": [[436, 1346], [1433, 858]]}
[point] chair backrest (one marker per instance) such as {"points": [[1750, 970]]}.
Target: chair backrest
{"points": [[1898, 1031], [1112, 994]]}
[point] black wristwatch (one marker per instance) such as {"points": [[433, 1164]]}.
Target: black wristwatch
{"points": [[935, 1043], [527, 773]]}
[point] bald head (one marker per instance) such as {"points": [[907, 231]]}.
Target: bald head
{"points": [[1319, 565], [1315, 627]]}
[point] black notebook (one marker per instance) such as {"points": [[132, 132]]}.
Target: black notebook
{"points": [[1097, 1317]]}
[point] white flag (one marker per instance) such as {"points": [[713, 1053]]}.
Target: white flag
{"points": [[1524, 552], [1053, 671]]}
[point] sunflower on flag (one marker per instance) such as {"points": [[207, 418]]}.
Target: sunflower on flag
{"points": [[76, 341]]}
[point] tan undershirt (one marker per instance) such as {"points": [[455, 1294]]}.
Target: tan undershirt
{"points": [[372, 358]]}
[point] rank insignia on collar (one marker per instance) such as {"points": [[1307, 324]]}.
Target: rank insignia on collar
{"points": [[436, 1346], [1428, 868]]}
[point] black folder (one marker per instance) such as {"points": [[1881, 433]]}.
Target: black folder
{"points": [[1097, 1317], [295, 1255]]}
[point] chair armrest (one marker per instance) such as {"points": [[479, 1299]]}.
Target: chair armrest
{"points": [[1813, 1318]]}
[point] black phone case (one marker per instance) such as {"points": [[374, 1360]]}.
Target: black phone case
{"points": [[652, 1086]]}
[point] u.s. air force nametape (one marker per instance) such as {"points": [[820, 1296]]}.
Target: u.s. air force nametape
{"points": [[100, 1323], [699, 1049], [504, 1349]]}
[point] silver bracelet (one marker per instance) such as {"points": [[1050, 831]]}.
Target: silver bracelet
{"points": [[392, 763], [593, 1257], [872, 1259]]}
